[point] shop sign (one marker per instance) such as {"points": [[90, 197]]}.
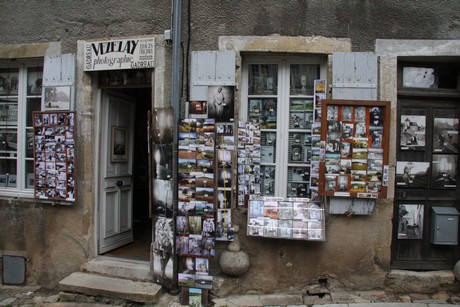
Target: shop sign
{"points": [[130, 53]]}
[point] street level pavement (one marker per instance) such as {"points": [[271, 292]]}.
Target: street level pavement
{"points": [[27, 296]]}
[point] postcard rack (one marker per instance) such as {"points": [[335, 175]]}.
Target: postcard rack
{"points": [[286, 218], [354, 141]]}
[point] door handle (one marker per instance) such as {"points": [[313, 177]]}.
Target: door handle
{"points": [[119, 183]]}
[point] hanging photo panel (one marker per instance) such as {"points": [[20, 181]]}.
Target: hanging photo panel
{"points": [[54, 155], [356, 142]]}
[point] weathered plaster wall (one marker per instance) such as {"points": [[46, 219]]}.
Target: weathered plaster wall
{"points": [[57, 239]]}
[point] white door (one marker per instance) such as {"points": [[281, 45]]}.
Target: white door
{"points": [[116, 190]]}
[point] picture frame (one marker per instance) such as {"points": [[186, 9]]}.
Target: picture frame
{"points": [[56, 98], [119, 145]]}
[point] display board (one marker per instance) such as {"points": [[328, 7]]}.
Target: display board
{"points": [[354, 146], [286, 218], [54, 155]]}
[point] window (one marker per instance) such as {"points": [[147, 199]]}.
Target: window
{"points": [[279, 95], [20, 95]]}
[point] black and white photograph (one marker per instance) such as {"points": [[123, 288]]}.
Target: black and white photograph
{"points": [[221, 103], [376, 116], [332, 113], [9, 83], [163, 254], [163, 197], [445, 135], [181, 224], [285, 228], [255, 107], [297, 120], [299, 174], [347, 113], [224, 198], [296, 153], [444, 171], [410, 223], [56, 98], [347, 130], [331, 183], [376, 134], [413, 132], [119, 144], [162, 163], [162, 125], [411, 174], [209, 227], [224, 159], [8, 113], [360, 114], [360, 130]]}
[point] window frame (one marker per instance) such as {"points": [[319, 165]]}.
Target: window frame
{"points": [[283, 99], [23, 65]]}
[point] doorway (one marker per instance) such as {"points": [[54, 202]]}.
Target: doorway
{"points": [[131, 234]]}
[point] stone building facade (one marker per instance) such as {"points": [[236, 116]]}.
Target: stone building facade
{"points": [[54, 239]]}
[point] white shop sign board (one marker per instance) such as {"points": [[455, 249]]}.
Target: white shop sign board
{"points": [[118, 54]]}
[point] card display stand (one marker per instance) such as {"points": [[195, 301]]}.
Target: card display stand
{"points": [[355, 138], [286, 218], [54, 155]]}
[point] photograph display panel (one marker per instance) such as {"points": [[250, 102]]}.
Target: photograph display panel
{"points": [[286, 218], [356, 148], [54, 155]]}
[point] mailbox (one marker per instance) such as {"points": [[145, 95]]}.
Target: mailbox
{"points": [[444, 226]]}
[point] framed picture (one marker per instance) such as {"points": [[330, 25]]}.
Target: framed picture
{"points": [[119, 144], [56, 98], [410, 225]]}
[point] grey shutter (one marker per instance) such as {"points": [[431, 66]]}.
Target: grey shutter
{"points": [[59, 70], [354, 77], [211, 68]]}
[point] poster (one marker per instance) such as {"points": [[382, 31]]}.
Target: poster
{"points": [[410, 224]]}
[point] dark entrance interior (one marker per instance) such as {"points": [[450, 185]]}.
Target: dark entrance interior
{"points": [[139, 249]]}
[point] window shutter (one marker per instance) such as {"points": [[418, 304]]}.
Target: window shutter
{"points": [[354, 75], [211, 68], [59, 70]]}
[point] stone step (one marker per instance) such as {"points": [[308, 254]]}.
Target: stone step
{"points": [[98, 285], [114, 267]]}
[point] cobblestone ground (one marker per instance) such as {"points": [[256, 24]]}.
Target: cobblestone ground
{"points": [[34, 296]]}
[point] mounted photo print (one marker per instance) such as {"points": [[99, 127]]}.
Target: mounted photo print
{"points": [[445, 135], [119, 144], [221, 103], [56, 98], [410, 224], [413, 132], [412, 174], [444, 172], [356, 148]]}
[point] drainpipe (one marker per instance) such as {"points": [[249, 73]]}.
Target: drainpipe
{"points": [[176, 104]]}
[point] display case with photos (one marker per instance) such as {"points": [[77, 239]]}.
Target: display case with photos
{"points": [[54, 155], [356, 137], [286, 218]]}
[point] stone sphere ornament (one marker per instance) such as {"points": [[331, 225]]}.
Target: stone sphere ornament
{"points": [[234, 262]]}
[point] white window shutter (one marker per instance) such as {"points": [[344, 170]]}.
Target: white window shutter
{"points": [[59, 70], [354, 75], [211, 68]]}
